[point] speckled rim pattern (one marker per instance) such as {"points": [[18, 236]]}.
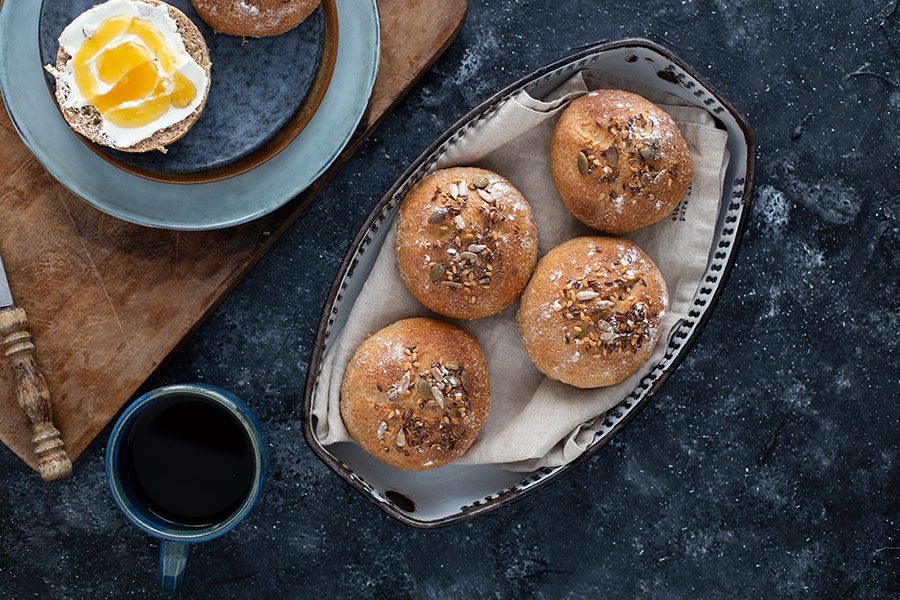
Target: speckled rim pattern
{"points": [[202, 206], [674, 74]]}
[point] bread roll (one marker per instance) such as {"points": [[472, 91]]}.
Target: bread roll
{"points": [[416, 394], [619, 161], [466, 242], [591, 313], [87, 120], [254, 18]]}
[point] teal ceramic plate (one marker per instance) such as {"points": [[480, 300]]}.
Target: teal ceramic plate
{"points": [[169, 205]]}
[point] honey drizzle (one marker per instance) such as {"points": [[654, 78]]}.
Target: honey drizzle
{"points": [[143, 75]]}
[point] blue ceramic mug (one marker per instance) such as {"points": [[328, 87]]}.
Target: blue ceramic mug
{"points": [[176, 535]]}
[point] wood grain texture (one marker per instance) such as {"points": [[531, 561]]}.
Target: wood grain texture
{"points": [[33, 395], [108, 300]]}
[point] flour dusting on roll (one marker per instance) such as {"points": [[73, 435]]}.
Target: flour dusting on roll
{"points": [[416, 394], [591, 314], [619, 161]]}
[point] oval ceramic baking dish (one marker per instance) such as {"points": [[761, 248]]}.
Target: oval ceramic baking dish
{"points": [[457, 492]]}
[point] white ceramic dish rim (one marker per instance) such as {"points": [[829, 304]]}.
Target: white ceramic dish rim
{"points": [[672, 75], [205, 206]]}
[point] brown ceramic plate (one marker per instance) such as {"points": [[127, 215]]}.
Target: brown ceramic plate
{"points": [[264, 91]]}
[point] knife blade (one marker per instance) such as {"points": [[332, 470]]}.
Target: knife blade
{"points": [[5, 293], [32, 393]]}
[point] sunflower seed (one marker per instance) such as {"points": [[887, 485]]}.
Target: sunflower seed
{"points": [[453, 381], [485, 195], [463, 188], [404, 383], [436, 373], [452, 284], [438, 395], [586, 295], [604, 304], [437, 272], [612, 156], [382, 427], [452, 366], [468, 255], [477, 247], [454, 191], [480, 182], [460, 223], [608, 336], [583, 164], [400, 440]]}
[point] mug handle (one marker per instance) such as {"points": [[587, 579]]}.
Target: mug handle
{"points": [[172, 563]]}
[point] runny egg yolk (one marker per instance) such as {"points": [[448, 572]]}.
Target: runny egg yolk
{"points": [[132, 83]]}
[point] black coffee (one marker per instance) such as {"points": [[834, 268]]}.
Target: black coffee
{"points": [[189, 461]]}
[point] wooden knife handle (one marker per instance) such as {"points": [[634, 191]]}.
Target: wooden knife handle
{"points": [[33, 395]]}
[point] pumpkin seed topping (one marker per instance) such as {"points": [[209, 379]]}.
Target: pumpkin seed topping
{"points": [[429, 418], [602, 312], [437, 216], [583, 164], [470, 241], [437, 272], [612, 156]]}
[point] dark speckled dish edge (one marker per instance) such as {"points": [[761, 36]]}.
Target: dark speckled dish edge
{"points": [[736, 209], [277, 143]]}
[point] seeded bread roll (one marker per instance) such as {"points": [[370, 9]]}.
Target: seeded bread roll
{"points": [[87, 120], [590, 315], [254, 18], [466, 242], [619, 161], [416, 394]]}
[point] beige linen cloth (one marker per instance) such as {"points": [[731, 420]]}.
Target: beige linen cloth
{"points": [[534, 421]]}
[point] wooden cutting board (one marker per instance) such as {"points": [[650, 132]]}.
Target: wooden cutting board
{"points": [[108, 300]]}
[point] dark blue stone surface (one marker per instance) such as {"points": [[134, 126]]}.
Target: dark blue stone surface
{"points": [[257, 86], [768, 466]]}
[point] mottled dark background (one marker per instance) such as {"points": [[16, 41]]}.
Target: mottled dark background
{"points": [[767, 467]]}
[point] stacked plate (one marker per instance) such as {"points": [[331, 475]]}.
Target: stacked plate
{"points": [[280, 111]]}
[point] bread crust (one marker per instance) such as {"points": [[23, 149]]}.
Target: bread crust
{"points": [[469, 272], [254, 18], [591, 314], [637, 183], [87, 120], [382, 394]]}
